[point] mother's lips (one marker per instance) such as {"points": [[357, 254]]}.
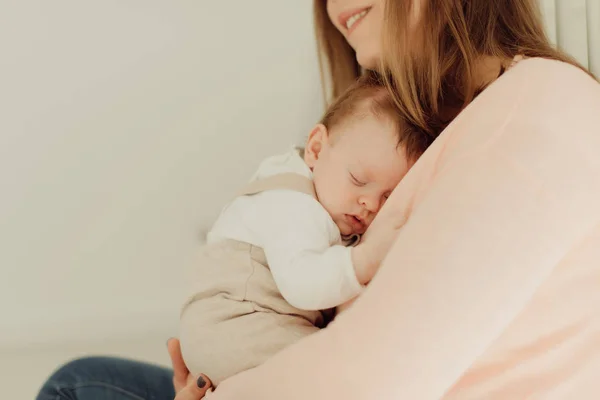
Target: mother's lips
{"points": [[344, 17]]}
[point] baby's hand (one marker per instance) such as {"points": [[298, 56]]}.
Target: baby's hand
{"points": [[369, 253]]}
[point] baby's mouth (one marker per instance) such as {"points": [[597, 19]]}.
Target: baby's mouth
{"points": [[357, 223]]}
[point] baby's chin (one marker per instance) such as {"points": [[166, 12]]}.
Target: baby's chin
{"points": [[345, 230]]}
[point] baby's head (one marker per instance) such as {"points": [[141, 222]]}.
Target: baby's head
{"points": [[358, 154]]}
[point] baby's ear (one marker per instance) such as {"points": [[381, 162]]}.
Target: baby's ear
{"points": [[317, 140]]}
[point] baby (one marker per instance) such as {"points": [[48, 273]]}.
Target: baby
{"points": [[284, 252]]}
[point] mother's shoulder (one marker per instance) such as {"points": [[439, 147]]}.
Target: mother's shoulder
{"points": [[548, 75], [537, 100], [539, 88]]}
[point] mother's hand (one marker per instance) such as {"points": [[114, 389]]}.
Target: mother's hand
{"points": [[187, 386]]}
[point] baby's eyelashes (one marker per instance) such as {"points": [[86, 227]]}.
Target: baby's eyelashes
{"points": [[356, 181]]}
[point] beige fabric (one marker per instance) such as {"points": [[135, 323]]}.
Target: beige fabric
{"points": [[289, 181], [236, 317]]}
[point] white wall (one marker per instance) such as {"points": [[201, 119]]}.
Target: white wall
{"points": [[125, 125], [574, 26]]}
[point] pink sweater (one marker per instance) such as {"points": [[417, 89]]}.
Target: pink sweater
{"points": [[492, 289]]}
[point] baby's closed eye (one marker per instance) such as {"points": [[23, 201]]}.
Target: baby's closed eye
{"points": [[356, 181]]}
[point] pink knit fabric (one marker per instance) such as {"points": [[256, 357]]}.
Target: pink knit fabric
{"points": [[492, 290]]}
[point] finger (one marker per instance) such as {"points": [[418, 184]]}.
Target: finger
{"points": [[195, 390], [180, 371]]}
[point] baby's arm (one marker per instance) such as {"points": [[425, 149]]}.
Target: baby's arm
{"points": [[369, 253], [297, 237], [375, 245]]}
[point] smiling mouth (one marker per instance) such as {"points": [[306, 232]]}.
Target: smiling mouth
{"points": [[350, 20]]}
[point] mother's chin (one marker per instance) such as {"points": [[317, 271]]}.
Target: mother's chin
{"points": [[368, 59]]}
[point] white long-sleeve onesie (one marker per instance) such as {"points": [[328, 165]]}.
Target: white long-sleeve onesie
{"points": [[302, 244]]}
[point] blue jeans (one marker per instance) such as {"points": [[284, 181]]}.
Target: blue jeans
{"points": [[107, 378]]}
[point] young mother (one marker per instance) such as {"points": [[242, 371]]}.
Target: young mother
{"points": [[492, 289]]}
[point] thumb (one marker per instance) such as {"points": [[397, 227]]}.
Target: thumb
{"points": [[180, 371], [195, 389]]}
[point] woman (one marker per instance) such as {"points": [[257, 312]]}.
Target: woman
{"points": [[492, 287]]}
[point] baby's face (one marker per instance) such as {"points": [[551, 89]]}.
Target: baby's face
{"points": [[356, 171]]}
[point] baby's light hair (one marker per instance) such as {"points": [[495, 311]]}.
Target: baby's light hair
{"points": [[369, 96]]}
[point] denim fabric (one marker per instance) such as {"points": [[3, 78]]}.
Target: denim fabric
{"points": [[107, 378]]}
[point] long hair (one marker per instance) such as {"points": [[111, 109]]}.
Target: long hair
{"points": [[337, 59], [430, 65]]}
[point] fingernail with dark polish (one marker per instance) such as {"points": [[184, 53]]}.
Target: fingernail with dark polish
{"points": [[201, 382]]}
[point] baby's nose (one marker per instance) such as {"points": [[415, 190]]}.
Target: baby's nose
{"points": [[371, 203]]}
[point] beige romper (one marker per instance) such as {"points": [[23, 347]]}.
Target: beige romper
{"points": [[236, 318]]}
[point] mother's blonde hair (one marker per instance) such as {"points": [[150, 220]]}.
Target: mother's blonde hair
{"points": [[336, 57], [432, 74]]}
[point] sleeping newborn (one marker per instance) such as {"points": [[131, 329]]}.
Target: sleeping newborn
{"points": [[285, 251]]}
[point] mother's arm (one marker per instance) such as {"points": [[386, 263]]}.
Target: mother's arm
{"points": [[485, 236]]}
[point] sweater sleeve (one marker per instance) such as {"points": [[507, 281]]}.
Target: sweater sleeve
{"points": [[486, 234], [296, 235]]}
